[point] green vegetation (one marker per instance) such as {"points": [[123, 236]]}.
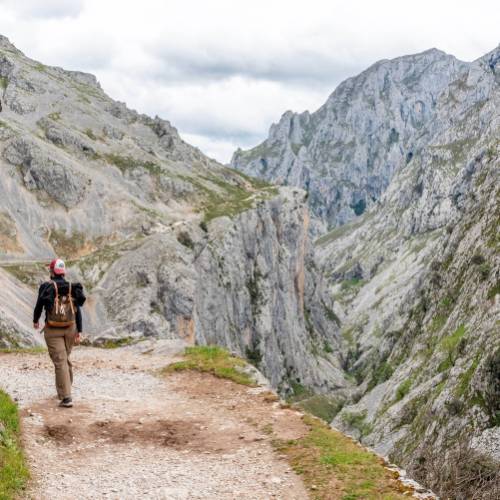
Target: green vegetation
{"points": [[13, 470], [67, 245], [90, 134], [330, 314], [465, 378], [334, 466], [185, 239], [125, 163], [56, 116], [213, 360], [449, 345], [403, 389], [352, 284], [29, 274], [381, 373], [494, 290], [357, 421], [4, 81], [121, 342], [23, 350], [254, 291], [319, 405]]}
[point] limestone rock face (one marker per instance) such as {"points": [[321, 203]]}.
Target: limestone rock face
{"points": [[347, 152]]}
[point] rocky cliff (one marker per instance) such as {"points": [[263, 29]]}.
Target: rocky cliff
{"points": [[167, 242], [409, 149], [346, 153]]}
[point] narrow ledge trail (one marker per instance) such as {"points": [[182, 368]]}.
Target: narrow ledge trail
{"points": [[134, 433]]}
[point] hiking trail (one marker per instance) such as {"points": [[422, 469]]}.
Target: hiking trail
{"points": [[135, 433]]}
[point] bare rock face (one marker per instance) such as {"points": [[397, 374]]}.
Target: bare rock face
{"points": [[346, 153], [41, 172]]}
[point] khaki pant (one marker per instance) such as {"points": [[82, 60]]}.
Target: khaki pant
{"points": [[59, 343]]}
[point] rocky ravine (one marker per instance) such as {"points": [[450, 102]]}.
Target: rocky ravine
{"points": [[168, 243], [414, 278]]}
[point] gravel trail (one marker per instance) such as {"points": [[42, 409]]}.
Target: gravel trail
{"points": [[134, 433]]}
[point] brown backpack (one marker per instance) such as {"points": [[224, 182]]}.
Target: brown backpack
{"points": [[62, 314]]}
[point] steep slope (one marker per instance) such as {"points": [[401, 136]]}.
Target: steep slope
{"points": [[168, 242], [346, 153], [415, 279]]}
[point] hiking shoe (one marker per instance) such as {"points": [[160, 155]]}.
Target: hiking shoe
{"points": [[66, 403]]}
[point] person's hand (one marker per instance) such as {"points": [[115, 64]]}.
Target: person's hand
{"points": [[36, 326], [78, 338]]}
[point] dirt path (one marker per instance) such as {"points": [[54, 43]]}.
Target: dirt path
{"points": [[135, 434]]}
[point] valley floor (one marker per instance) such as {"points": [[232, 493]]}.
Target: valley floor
{"points": [[134, 433]]}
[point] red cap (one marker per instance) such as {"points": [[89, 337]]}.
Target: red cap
{"points": [[57, 266]]}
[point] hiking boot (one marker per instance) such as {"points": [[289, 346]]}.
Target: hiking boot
{"points": [[66, 403]]}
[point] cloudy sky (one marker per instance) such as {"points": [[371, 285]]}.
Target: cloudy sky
{"points": [[223, 70]]}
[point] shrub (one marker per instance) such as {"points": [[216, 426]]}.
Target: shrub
{"points": [[465, 473], [484, 271], [403, 389], [185, 239], [478, 259]]}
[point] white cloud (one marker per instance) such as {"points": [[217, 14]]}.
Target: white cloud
{"points": [[222, 71]]}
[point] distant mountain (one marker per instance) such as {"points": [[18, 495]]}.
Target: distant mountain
{"points": [[347, 152]]}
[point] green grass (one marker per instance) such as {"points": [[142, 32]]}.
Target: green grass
{"points": [[334, 466], [403, 389], [357, 421], [4, 81], [214, 360], [494, 290], [125, 163], [13, 470], [23, 350], [449, 346], [115, 343], [465, 378]]}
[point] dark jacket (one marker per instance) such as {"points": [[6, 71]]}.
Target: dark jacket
{"points": [[47, 296]]}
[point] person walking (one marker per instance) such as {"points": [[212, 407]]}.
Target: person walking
{"points": [[63, 324]]}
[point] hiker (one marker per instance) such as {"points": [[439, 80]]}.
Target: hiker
{"points": [[63, 324]]}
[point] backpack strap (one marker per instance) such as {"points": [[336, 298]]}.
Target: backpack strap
{"points": [[70, 298], [56, 302]]}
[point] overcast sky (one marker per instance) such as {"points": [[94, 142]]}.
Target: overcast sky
{"points": [[223, 70]]}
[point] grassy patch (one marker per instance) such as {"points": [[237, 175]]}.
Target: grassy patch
{"points": [[29, 274], [334, 466], [403, 389], [214, 360], [321, 406], [13, 470], [24, 350], [4, 81], [357, 421], [121, 342], [494, 290], [125, 163], [90, 134], [449, 345]]}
